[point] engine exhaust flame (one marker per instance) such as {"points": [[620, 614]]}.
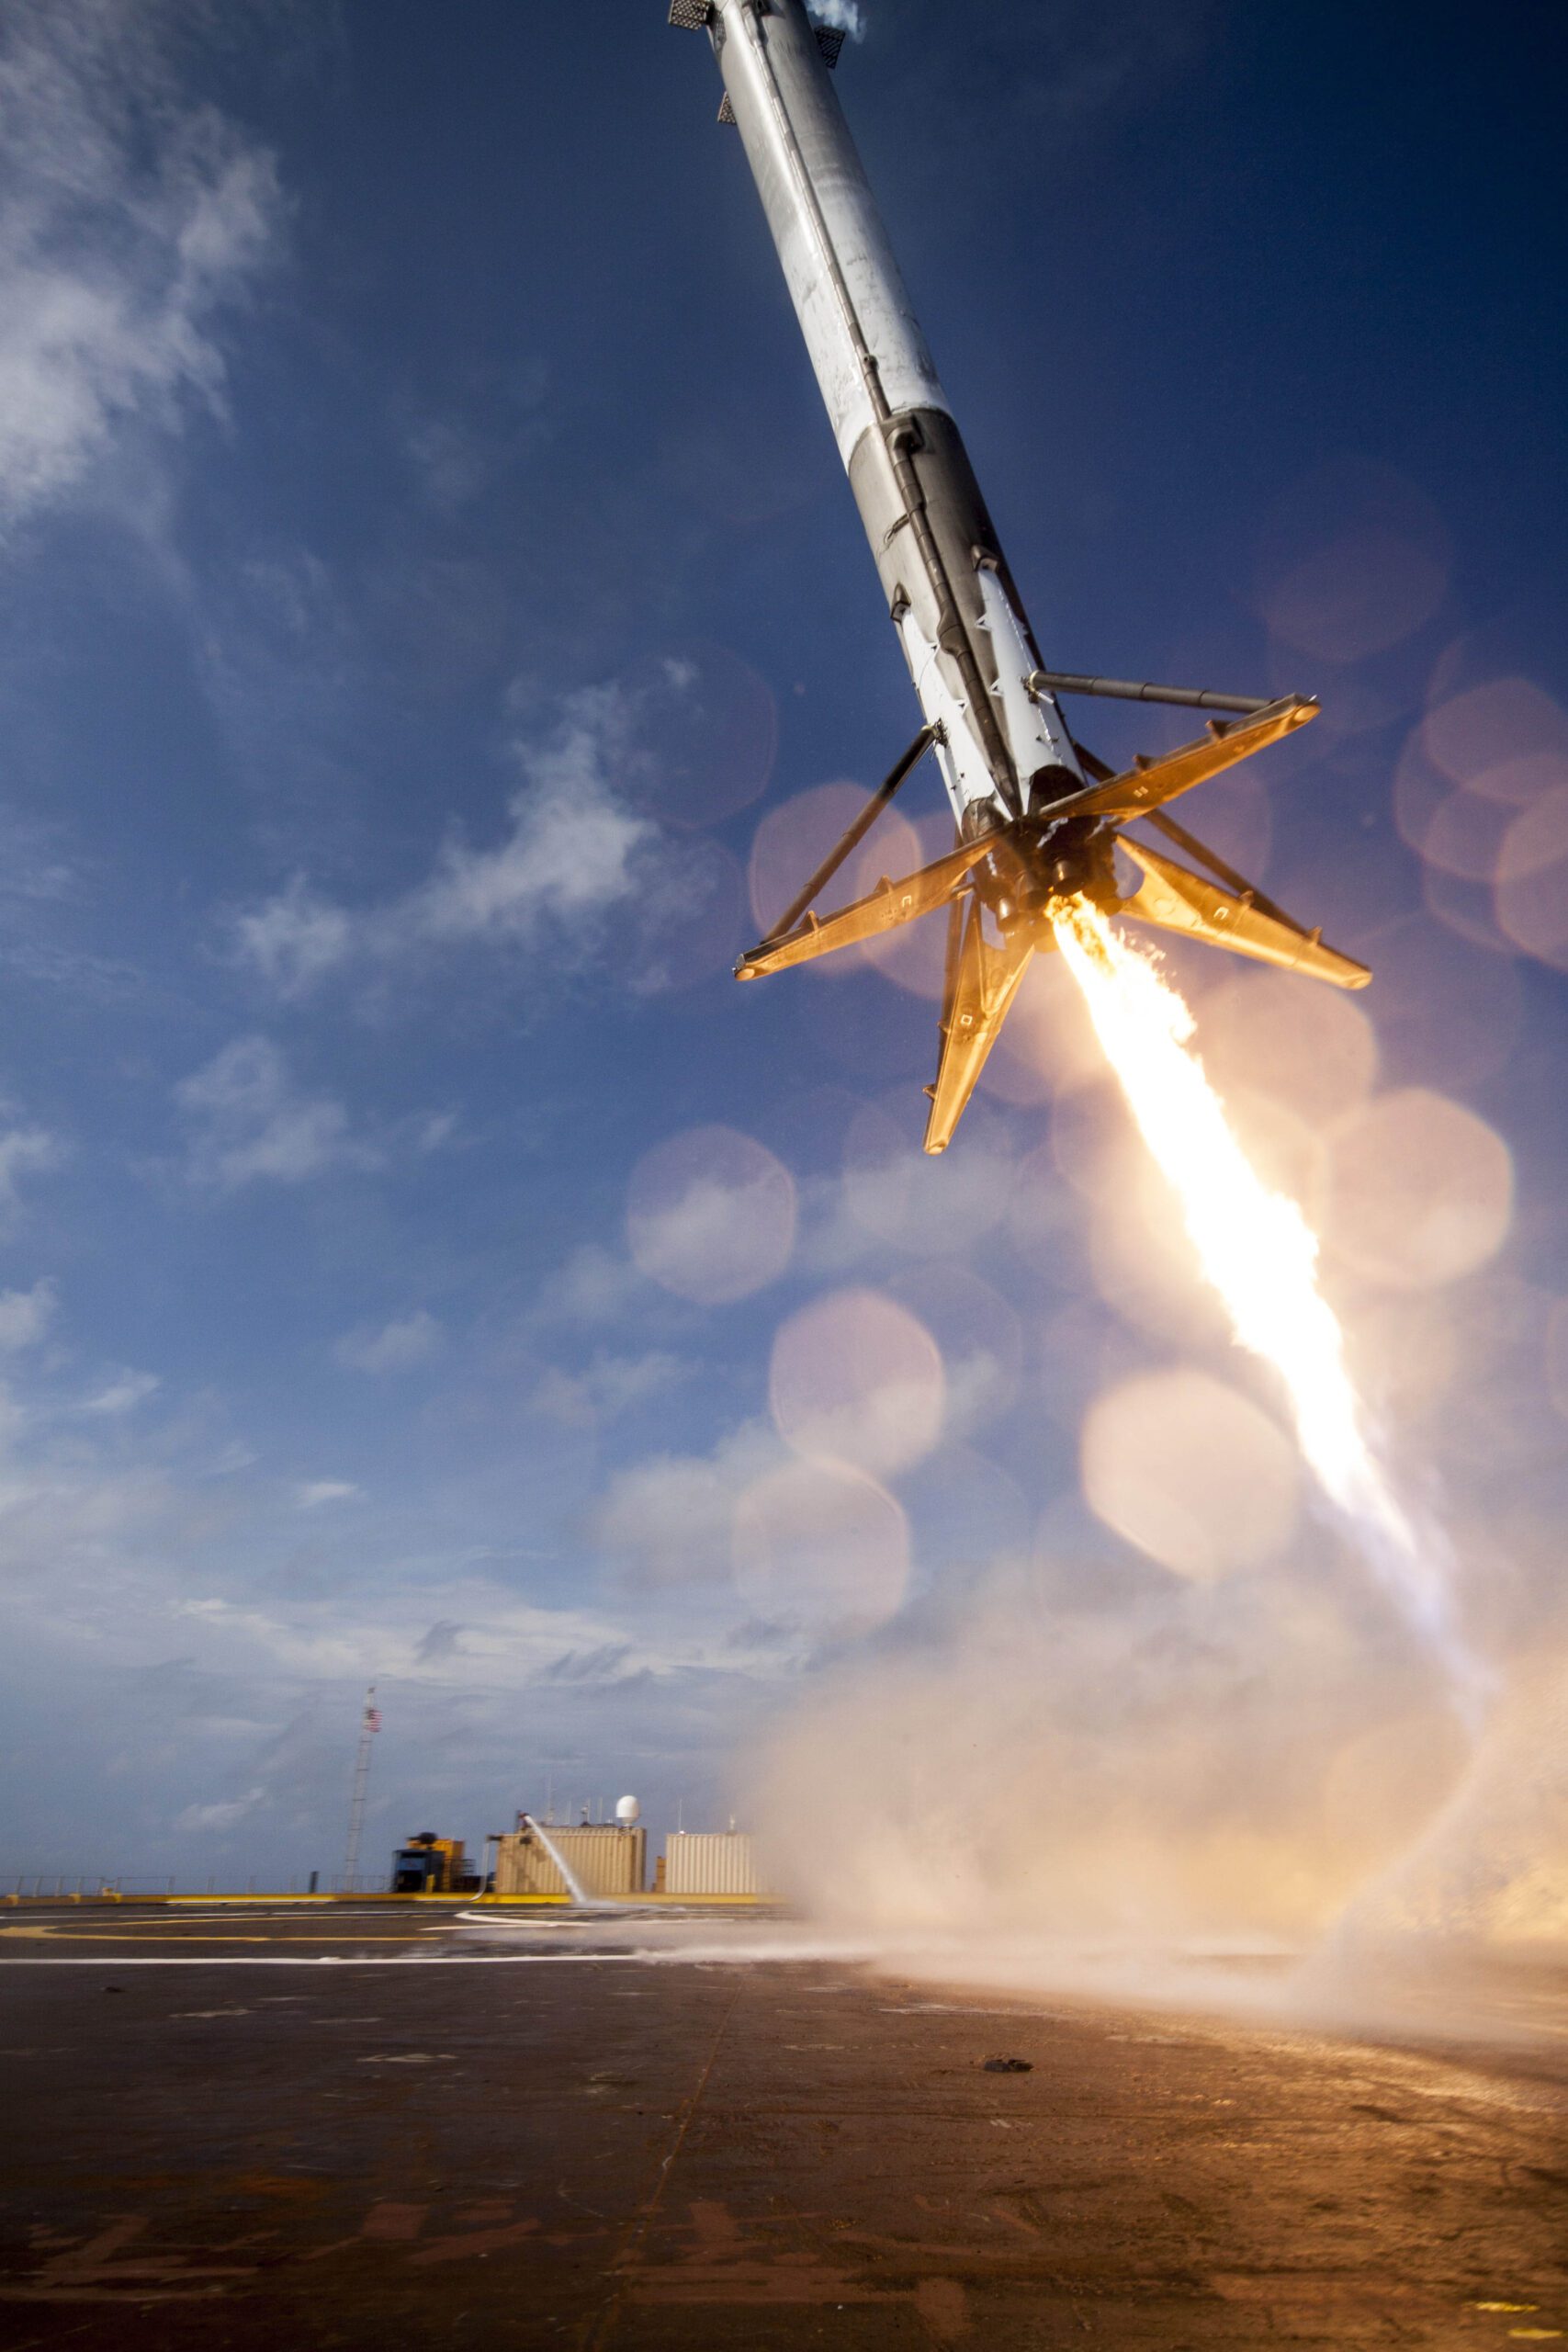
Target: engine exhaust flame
{"points": [[1256, 1250]]}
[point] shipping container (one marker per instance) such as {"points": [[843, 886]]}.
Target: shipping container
{"points": [[604, 1857], [710, 1861]]}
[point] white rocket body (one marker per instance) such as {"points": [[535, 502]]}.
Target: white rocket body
{"points": [[1035, 835], [950, 595]]}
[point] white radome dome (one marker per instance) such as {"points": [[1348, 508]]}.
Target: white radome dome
{"points": [[628, 1810]]}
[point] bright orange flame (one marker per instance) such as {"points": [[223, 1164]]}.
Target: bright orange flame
{"points": [[1257, 1252]]}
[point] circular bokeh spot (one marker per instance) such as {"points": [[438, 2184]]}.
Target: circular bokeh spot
{"points": [[969, 1511], [1190, 1472], [1464, 907], [1402, 1353], [790, 843], [1091, 1137], [915, 954], [697, 735], [1236, 817], [1474, 774], [1531, 894], [821, 1542], [1285, 1150], [710, 1215], [1447, 1011], [1419, 791], [879, 1170], [918, 1204], [1044, 1224], [1082, 1353], [857, 1379], [1311, 1049], [1355, 558], [1419, 1189], [1356, 594], [691, 919], [1557, 1355], [1489, 735], [1046, 1042], [978, 1334], [1481, 793], [1464, 835]]}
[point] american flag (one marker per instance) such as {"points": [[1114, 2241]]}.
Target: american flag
{"points": [[372, 1718]]}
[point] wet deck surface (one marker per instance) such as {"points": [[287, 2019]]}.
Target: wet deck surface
{"points": [[607, 2153]]}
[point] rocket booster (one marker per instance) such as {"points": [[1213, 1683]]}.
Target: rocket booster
{"points": [[1040, 819], [950, 595]]}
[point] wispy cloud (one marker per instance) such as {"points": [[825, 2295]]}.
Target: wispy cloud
{"points": [[50, 887], [505, 1640], [24, 1151], [249, 1123], [671, 1517], [131, 219], [591, 1285], [227, 1813], [293, 939], [25, 1316], [568, 857], [122, 1394], [396, 1346], [314, 1492], [610, 1386]]}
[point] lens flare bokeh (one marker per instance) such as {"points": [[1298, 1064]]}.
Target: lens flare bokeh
{"points": [[711, 1216]]}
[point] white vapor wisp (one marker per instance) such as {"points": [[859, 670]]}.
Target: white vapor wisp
{"points": [[843, 16], [130, 220], [571, 855], [249, 1123]]}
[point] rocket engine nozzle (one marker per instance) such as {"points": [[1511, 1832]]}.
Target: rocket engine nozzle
{"points": [[1036, 865]]}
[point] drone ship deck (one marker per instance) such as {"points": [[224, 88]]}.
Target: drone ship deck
{"points": [[366, 2129]]}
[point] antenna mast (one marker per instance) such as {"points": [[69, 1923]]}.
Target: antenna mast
{"points": [[369, 1724]]}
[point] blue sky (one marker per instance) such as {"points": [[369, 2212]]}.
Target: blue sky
{"points": [[429, 588]]}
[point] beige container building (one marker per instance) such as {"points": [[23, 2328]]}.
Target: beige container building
{"points": [[606, 1857], [710, 1861]]}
